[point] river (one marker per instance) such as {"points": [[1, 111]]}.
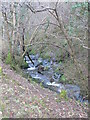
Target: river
{"points": [[49, 78]]}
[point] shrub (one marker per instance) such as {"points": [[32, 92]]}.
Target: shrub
{"points": [[33, 52], [47, 56], [0, 71], [62, 79], [8, 59], [57, 70], [21, 62], [63, 94], [41, 83]]}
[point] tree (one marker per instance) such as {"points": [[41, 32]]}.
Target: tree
{"points": [[54, 13]]}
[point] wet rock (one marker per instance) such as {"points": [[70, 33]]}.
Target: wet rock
{"points": [[54, 59], [57, 76], [31, 68], [32, 57], [51, 80], [51, 62], [45, 62], [27, 59], [37, 64], [40, 60], [30, 65], [40, 69], [37, 56], [56, 87], [73, 91]]}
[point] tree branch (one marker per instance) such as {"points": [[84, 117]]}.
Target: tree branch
{"points": [[32, 37], [50, 44], [40, 10]]}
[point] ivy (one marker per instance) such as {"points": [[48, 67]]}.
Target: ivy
{"points": [[78, 5]]}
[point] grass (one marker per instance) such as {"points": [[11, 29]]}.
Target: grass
{"points": [[8, 59], [36, 104], [1, 71], [62, 96], [41, 84], [57, 70], [33, 52], [2, 106], [62, 79], [32, 80], [39, 101], [32, 108], [47, 56]]}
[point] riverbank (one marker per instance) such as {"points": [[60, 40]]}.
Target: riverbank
{"points": [[21, 98]]}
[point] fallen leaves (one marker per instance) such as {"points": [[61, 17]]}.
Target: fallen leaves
{"points": [[23, 99]]}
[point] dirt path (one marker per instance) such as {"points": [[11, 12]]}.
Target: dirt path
{"points": [[20, 98]]}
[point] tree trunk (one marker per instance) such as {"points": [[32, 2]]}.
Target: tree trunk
{"points": [[7, 32], [69, 41], [23, 46], [13, 35]]}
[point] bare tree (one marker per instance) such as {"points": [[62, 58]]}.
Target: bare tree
{"points": [[54, 13]]}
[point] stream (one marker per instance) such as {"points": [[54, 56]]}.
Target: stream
{"points": [[42, 71]]}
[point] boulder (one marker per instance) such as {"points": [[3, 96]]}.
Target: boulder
{"points": [[40, 69], [51, 80]]}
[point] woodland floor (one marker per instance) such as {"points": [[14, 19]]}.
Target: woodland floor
{"points": [[22, 99]]}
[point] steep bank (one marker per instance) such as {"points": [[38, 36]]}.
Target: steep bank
{"points": [[20, 98]]}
